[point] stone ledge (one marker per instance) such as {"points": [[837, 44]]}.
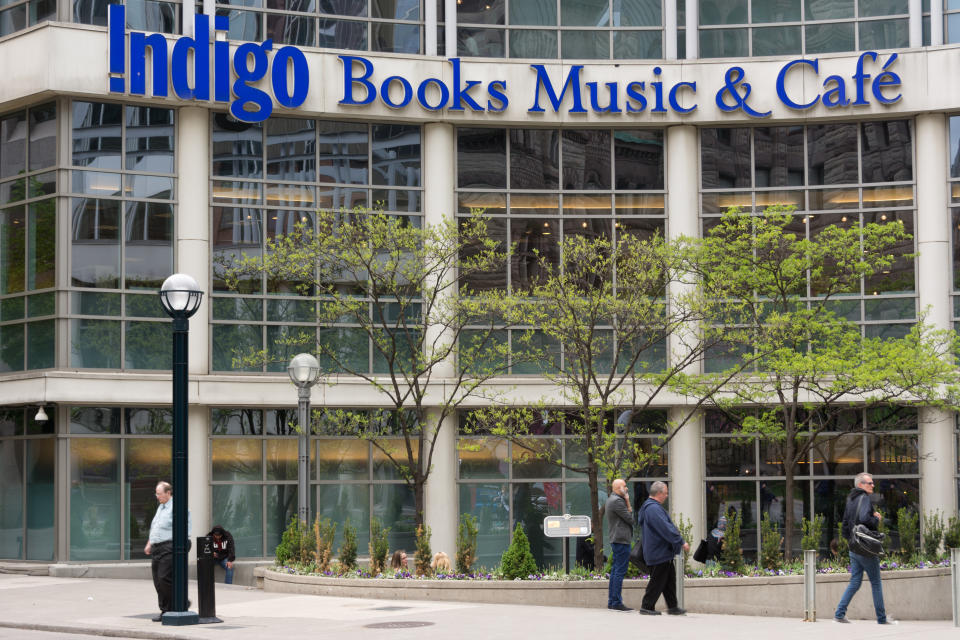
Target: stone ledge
{"points": [[922, 594]]}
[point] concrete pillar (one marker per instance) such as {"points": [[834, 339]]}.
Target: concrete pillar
{"points": [[193, 258], [438, 206], [683, 219], [430, 28], [938, 456], [693, 30], [936, 23], [450, 27], [916, 23], [670, 30]]}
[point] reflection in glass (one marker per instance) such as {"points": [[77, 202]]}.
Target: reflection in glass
{"points": [[532, 502], [146, 460], [829, 37], [237, 148], [12, 542], [238, 508], [490, 505], [95, 344], [235, 459], [532, 43], [832, 154], [236, 421], [96, 134], [838, 455], [638, 159], [40, 499], [722, 497], [729, 457], [95, 243], [893, 454], [13, 146], [585, 45], [342, 502], [150, 136], [638, 45], [342, 459], [281, 508], [343, 152], [94, 420], [342, 34], [94, 499], [393, 504], [43, 137], [887, 151], [725, 158], [148, 249], [480, 42]]}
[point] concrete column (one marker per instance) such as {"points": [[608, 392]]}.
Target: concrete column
{"points": [[683, 219], [916, 23], [450, 27], [938, 457], [430, 28], [936, 23], [693, 29], [670, 30], [193, 258], [438, 206]]}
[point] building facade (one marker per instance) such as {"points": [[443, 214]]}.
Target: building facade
{"points": [[122, 161]]}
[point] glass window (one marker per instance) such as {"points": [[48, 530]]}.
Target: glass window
{"points": [[94, 499]]}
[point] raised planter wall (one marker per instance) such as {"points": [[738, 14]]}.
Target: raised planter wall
{"points": [[909, 595]]}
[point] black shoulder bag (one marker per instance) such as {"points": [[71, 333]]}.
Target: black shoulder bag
{"points": [[863, 540]]}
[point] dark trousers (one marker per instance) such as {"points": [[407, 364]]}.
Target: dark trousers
{"points": [[663, 579], [161, 564], [618, 569]]}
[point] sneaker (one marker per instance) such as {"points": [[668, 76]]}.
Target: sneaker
{"points": [[841, 620], [676, 611], [648, 612], [889, 621], [619, 607]]}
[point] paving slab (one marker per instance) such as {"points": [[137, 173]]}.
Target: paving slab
{"points": [[122, 609]]}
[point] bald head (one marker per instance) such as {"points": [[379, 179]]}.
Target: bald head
{"points": [[619, 486]]}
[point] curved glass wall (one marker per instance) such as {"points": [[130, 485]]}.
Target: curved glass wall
{"points": [[27, 457]]}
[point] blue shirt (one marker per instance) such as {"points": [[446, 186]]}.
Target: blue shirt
{"points": [[161, 529]]}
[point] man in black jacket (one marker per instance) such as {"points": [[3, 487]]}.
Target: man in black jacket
{"points": [[860, 511], [620, 532], [224, 553]]}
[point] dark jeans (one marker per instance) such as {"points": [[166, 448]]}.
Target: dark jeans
{"points": [[621, 556], [859, 564], [223, 563], [161, 564], [663, 579]]}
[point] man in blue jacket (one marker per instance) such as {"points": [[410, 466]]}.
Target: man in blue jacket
{"points": [[661, 542]]}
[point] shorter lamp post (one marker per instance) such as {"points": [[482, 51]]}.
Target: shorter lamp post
{"points": [[304, 371], [180, 295]]}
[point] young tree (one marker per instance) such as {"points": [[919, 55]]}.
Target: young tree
{"points": [[614, 363], [399, 288], [785, 313]]}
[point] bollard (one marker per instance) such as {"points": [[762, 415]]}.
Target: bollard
{"points": [[207, 604], [678, 564], [955, 581], [810, 585]]}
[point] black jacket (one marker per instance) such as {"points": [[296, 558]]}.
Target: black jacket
{"points": [[857, 512], [231, 550]]}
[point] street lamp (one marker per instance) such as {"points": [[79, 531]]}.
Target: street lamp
{"points": [[304, 371], [180, 295]]}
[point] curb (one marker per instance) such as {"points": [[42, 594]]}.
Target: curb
{"points": [[94, 631]]}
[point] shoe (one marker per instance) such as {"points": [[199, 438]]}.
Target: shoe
{"points": [[157, 618], [676, 611], [648, 612], [619, 607], [841, 620], [889, 621]]}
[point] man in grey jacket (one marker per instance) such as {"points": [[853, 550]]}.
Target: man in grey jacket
{"points": [[620, 533]]}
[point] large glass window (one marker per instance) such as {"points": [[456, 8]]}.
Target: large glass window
{"points": [[123, 190], [161, 16], [18, 15], [267, 179], [749, 476], [954, 178], [28, 240], [844, 174], [571, 29], [117, 457], [503, 483], [26, 485]]}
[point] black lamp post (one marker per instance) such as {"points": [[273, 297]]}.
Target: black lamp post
{"points": [[180, 296], [304, 371]]}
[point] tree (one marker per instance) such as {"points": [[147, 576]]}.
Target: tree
{"points": [[784, 313], [614, 361], [398, 289]]}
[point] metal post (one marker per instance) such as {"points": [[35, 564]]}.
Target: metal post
{"points": [[179, 614], [303, 454], [681, 569], [810, 585], [955, 581]]}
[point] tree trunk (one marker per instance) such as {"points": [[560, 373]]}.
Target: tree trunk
{"points": [[788, 523], [418, 484], [595, 516]]}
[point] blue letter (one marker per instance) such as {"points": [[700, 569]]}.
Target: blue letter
{"points": [[572, 83], [117, 24], [138, 62], [497, 90], [201, 61], [246, 93], [860, 77], [674, 103], [349, 80], [613, 107], [782, 90], [633, 94], [407, 92], [840, 91], [221, 62], [887, 78], [422, 94], [462, 95], [657, 93], [301, 77]]}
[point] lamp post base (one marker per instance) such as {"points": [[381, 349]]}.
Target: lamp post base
{"points": [[180, 618]]}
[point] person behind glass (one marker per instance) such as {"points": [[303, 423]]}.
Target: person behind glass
{"points": [[224, 553], [661, 542], [620, 533], [399, 560], [160, 547], [859, 510]]}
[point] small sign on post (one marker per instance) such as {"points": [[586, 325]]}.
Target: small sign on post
{"points": [[566, 527]]}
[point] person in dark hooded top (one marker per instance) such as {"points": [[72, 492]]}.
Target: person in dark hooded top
{"points": [[661, 542], [224, 552]]}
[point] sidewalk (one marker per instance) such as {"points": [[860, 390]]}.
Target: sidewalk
{"points": [[122, 609]]}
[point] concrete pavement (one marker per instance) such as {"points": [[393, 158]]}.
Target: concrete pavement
{"points": [[32, 605]]}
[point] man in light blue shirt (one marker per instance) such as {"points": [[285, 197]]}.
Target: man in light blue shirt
{"points": [[160, 547]]}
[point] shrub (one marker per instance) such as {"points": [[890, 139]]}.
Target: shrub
{"points": [[348, 549], [466, 543], [843, 545], [812, 533], [771, 557], [424, 554], [324, 531], [517, 561], [379, 546], [731, 559], [908, 524], [932, 534], [685, 527], [296, 543], [951, 534]]}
